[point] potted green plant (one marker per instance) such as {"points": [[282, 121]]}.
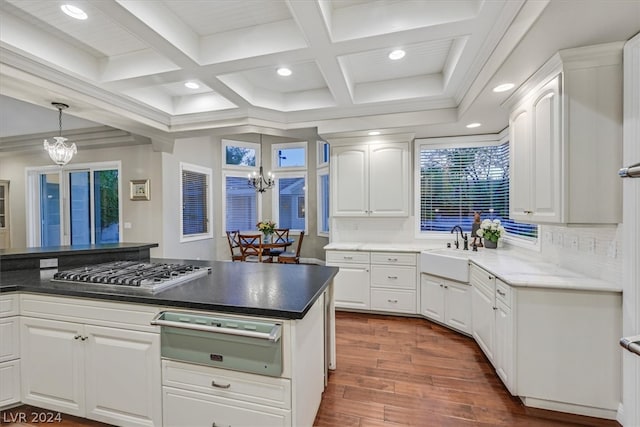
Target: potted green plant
{"points": [[491, 231]]}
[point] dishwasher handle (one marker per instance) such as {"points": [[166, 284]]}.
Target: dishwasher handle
{"points": [[631, 343], [274, 335]]}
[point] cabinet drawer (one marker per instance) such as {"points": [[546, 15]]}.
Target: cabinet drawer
{"points": [[393, 277], [503, 292], [400, 301], [85, 310], [347, 257], [9, 305], [392, 258], [186, 408], [234, 385], [9, 338], [483, 280]]}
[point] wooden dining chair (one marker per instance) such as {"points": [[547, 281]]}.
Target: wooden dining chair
{"points": [[292, 257], [280, 235], [234, 246], [251, 247]]}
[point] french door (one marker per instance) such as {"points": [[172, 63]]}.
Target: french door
{"points": [[74, 206]]}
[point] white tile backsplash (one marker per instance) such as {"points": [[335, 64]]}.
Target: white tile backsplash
{"points": [[594, 251]]}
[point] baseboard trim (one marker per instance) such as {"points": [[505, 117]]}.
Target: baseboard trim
{"points": [[609, 414]]}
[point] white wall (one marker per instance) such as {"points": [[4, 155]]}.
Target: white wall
{"points": [[200, 151]]}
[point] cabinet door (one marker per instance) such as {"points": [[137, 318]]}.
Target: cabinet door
{"points": [[432, 298], [9, 383], [504, 345], [457, 307], [389, 179], [123, 381], [52, 365], [9, 341], [186, 408], [546, 153], [520, 161], [483, 321], [350, 181], [351, 286]]}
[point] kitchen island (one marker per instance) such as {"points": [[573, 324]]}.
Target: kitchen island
{"points": [[95, 353]]}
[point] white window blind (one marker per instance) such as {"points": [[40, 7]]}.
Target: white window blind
{"points": [[194, 203], [323, 203], [241, 207], [456, 182]]}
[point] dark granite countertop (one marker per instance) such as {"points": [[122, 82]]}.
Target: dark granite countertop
{"points": [[37, 252], [260, 289]]}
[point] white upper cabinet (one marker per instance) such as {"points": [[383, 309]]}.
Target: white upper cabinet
{"points": [[565, 133], [370, 177]]}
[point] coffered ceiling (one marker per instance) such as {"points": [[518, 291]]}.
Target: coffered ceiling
{"points": [[125, 66]]}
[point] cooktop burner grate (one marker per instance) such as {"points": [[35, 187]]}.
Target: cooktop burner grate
{"points": [[148, 277]]}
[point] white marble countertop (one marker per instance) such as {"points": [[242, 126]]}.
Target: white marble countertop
{"points": [[517, 267]]}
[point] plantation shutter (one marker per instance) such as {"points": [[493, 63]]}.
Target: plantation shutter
{"points": [[194, 203], [456, 182], [241, 206]]}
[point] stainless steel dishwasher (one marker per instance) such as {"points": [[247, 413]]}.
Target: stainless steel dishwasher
{"points": [[228, 343]]}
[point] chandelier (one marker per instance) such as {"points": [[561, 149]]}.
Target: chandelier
{"points": [[60, 152], [258, 180]]}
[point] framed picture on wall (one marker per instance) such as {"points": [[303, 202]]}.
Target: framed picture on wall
{"points": [[139, 189]]}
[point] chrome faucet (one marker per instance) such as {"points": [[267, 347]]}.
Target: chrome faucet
{"points": [[465, 239]]}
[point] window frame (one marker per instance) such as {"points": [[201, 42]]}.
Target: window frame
{"points": [[321, 163], [32, 189], [208, 172], [275, 213], [236, 174], [233, 143], [460, 142], [320, 172], [288, 145]]}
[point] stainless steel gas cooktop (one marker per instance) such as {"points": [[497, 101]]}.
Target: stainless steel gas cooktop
{"points": [[131, 275]]}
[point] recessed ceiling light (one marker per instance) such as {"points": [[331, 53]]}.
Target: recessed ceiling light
{"points": [[74, 11], [374, 133], [397, 54], [192, 85], [503, 87], [284, 71], [474, 125]]}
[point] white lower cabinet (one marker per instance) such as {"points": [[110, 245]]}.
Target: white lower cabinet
{"points": [[493, 327], [446, 302], [196, 395], [9, 350], [351, 284], [105, 374]]}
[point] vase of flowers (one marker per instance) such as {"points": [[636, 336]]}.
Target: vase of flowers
{"points": [[267, 227], [490, 231]]}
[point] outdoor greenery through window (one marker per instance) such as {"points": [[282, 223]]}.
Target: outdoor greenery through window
{"points": [[456, 182]]}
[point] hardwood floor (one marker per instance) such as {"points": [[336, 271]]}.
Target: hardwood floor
{"points": [[396, 371]]}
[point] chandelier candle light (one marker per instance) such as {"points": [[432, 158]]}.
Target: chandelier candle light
{"points": [[258, 180], [60, 152]]}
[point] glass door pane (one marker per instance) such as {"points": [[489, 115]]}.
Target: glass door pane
{"points": [[80, 208], [106, 206], [50, 209]]}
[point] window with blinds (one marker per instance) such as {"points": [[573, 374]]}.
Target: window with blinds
{"points": [[291, 203], [456, 182], [323, 203], [195, 201], [240, 204]]}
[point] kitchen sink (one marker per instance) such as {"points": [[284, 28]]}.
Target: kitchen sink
{"points": [[448, 263]]}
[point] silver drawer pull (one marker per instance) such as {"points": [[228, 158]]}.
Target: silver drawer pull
{"points": [[213, 383], [392, 259], [347, 257], [392, 277], [393, 300], [501, 293], [273, 335]]}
